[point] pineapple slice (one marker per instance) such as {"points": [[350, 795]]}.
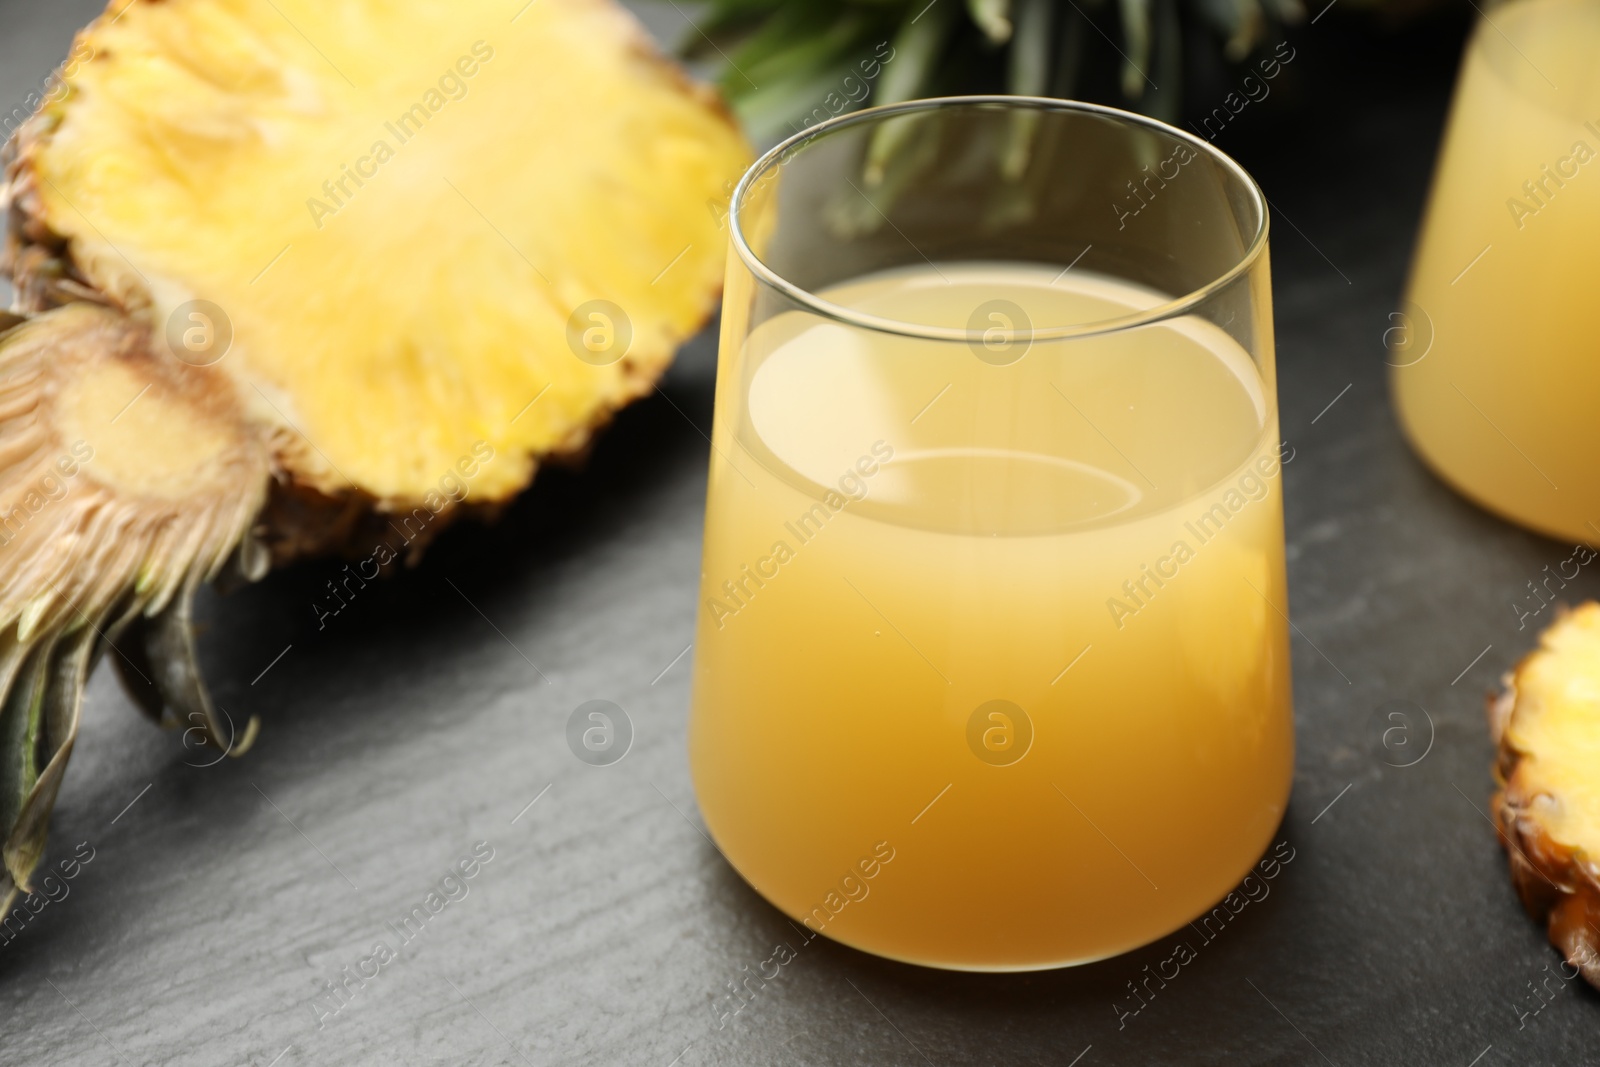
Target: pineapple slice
{"points": [[305, 275], [1547, 724]]}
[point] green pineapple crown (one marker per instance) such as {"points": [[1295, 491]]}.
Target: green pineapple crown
{"points": [[785, 66]]}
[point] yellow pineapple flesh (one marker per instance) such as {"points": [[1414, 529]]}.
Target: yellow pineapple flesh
{"points": [[514, 171], [295, 269]]}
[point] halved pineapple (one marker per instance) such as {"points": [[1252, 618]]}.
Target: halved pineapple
{"points": [[1547, 724], [308, 274]]}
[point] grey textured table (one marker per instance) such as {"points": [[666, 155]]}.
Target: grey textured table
{"points": [[221, 900]]}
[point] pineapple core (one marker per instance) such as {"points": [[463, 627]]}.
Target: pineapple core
{"points": [[144, 439]]}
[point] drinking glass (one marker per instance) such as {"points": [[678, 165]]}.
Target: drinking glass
{"points": [[1493, 352], [992, 669]]}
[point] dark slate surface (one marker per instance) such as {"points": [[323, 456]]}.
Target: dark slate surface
{"points": [[428, 714]]}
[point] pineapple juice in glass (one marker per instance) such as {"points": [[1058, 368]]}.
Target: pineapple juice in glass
{"points": [[1495, 363], [992, 669]]}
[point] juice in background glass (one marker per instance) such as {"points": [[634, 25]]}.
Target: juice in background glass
{"points": [[1496, 362], [992, 670]]}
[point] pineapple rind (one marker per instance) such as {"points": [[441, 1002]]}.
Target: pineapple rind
{"points": [[1547, 724]]}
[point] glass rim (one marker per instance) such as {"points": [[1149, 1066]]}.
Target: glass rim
{"points": [[775, 157]]}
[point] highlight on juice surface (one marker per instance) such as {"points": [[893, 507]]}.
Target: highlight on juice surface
{"points": [[992, 668], [1493, 352]]}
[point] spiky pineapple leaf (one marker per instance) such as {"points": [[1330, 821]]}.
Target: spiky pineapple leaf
{"points": [[1029, 75], [917, 47], [993, 18]]}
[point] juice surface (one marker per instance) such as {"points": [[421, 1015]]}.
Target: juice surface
{"points": [[992, 668], [1497, 363]]}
